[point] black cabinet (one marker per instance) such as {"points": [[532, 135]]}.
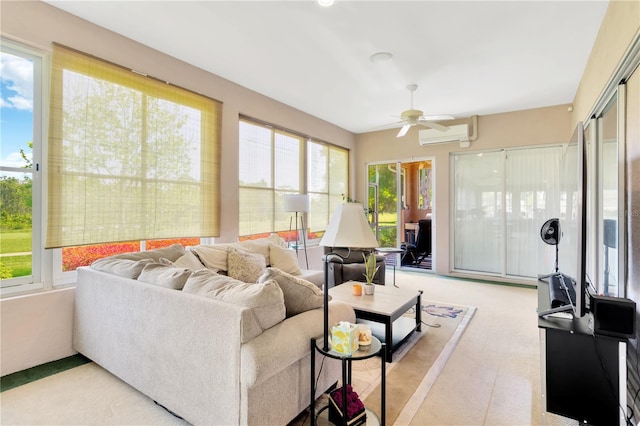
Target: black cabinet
{"points": [[583, 375]]}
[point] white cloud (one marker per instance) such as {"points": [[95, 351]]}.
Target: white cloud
{"points": [[16, 75], [15, 159]]}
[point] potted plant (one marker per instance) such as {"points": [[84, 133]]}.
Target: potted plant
{"points": [[370, 270]]}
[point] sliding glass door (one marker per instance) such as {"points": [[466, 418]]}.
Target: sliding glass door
{"points": [[501, 199], [385, 183]]}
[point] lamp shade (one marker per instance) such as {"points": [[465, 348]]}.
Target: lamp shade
{"points": [[296, 203], [349, 228]]}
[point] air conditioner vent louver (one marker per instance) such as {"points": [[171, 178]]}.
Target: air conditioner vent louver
{"points": [[456, 133]]}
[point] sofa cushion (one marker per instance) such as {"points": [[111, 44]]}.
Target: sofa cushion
{"points": [[122, 267], [265, 301], [172, 253], [188, 261], [284, 259], [165, 276], [299, 295], [245, 266]]}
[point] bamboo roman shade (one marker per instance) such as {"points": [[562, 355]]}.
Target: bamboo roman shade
{"points": [[130, 157]]}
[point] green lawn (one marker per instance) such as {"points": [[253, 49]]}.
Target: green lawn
{"points": [[18, 265], [16, 242]]}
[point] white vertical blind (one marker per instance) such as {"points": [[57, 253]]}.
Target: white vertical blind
{"points": [[501, 201]]}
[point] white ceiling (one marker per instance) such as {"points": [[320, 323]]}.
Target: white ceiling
{"points": [[467, 57]]}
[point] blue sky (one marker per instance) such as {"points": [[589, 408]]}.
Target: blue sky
{"points": [[16, 108]]}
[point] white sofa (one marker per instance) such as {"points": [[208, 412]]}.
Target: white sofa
{"points": [[210, 360]]}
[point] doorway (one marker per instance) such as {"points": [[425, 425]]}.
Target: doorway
{"points": [[400, 204]]}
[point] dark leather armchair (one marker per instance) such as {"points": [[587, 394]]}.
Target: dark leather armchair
{"points": [[351, 268]]}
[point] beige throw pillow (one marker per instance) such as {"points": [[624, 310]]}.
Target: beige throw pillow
{"points": [[165, 276], [265, 300], [122, 267], [284, 259], [205, 278], [245, 266], [189, 261], [299, 295], [212, 256]]}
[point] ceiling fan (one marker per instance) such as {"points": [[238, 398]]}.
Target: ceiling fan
{"points": [[412, 117]]}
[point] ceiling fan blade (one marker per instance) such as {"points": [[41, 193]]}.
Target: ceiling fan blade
{"points": [[437, 117], [404, 130], [433, 125]]}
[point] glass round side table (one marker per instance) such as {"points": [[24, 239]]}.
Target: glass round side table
{"points": [[364, 352]]}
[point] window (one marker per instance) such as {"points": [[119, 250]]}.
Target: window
{"points": [[327, 177], [20, 192], [130, 157], [272, 164]]}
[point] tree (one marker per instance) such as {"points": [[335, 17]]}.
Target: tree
{"points": [[27, 160], [15, 202]]}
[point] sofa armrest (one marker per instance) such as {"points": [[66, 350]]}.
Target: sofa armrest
{"points": [[287, 342]]}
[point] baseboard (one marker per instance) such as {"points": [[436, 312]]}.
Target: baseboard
{"points": [[38, 372]]}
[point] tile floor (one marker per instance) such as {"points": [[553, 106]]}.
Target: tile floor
{"points": [[493, 376]]}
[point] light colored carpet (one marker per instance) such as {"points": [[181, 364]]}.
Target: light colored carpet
{"points": [[85, 395]]}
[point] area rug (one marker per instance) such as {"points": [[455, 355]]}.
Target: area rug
{"points": [[415, 367]]}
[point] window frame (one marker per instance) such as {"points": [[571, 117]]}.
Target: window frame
{"points": [[305, 142], [41, 73]]}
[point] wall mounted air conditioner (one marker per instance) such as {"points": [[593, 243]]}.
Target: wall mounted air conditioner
{"points": [[455, 133]]}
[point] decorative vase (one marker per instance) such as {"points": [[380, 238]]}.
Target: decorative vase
{"points": [[369, 289]]}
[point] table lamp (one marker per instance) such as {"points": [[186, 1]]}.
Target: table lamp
{"points": [[348, 228]]}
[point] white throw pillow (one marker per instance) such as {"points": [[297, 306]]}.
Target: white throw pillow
{"points": [[244, 266], [165, 276], [189, 261], [284, 259], [212, 256], [122, 267], [299, 295], [266, 300]]}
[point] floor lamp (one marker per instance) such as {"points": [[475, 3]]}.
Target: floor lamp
{"points": [[348, 228], [298, 203]]}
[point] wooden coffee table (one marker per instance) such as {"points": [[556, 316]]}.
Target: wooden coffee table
{"points": [[383, 312]]}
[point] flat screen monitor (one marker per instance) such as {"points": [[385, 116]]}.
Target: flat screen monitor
{"points": [[581, 239]]}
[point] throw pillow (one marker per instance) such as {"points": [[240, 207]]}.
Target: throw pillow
{"points": [[189, 261], [245, 266], [284, 259], [264, 300], [165, 276], [122, 267], [212, 256], [299, 295], [205, 278]]}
